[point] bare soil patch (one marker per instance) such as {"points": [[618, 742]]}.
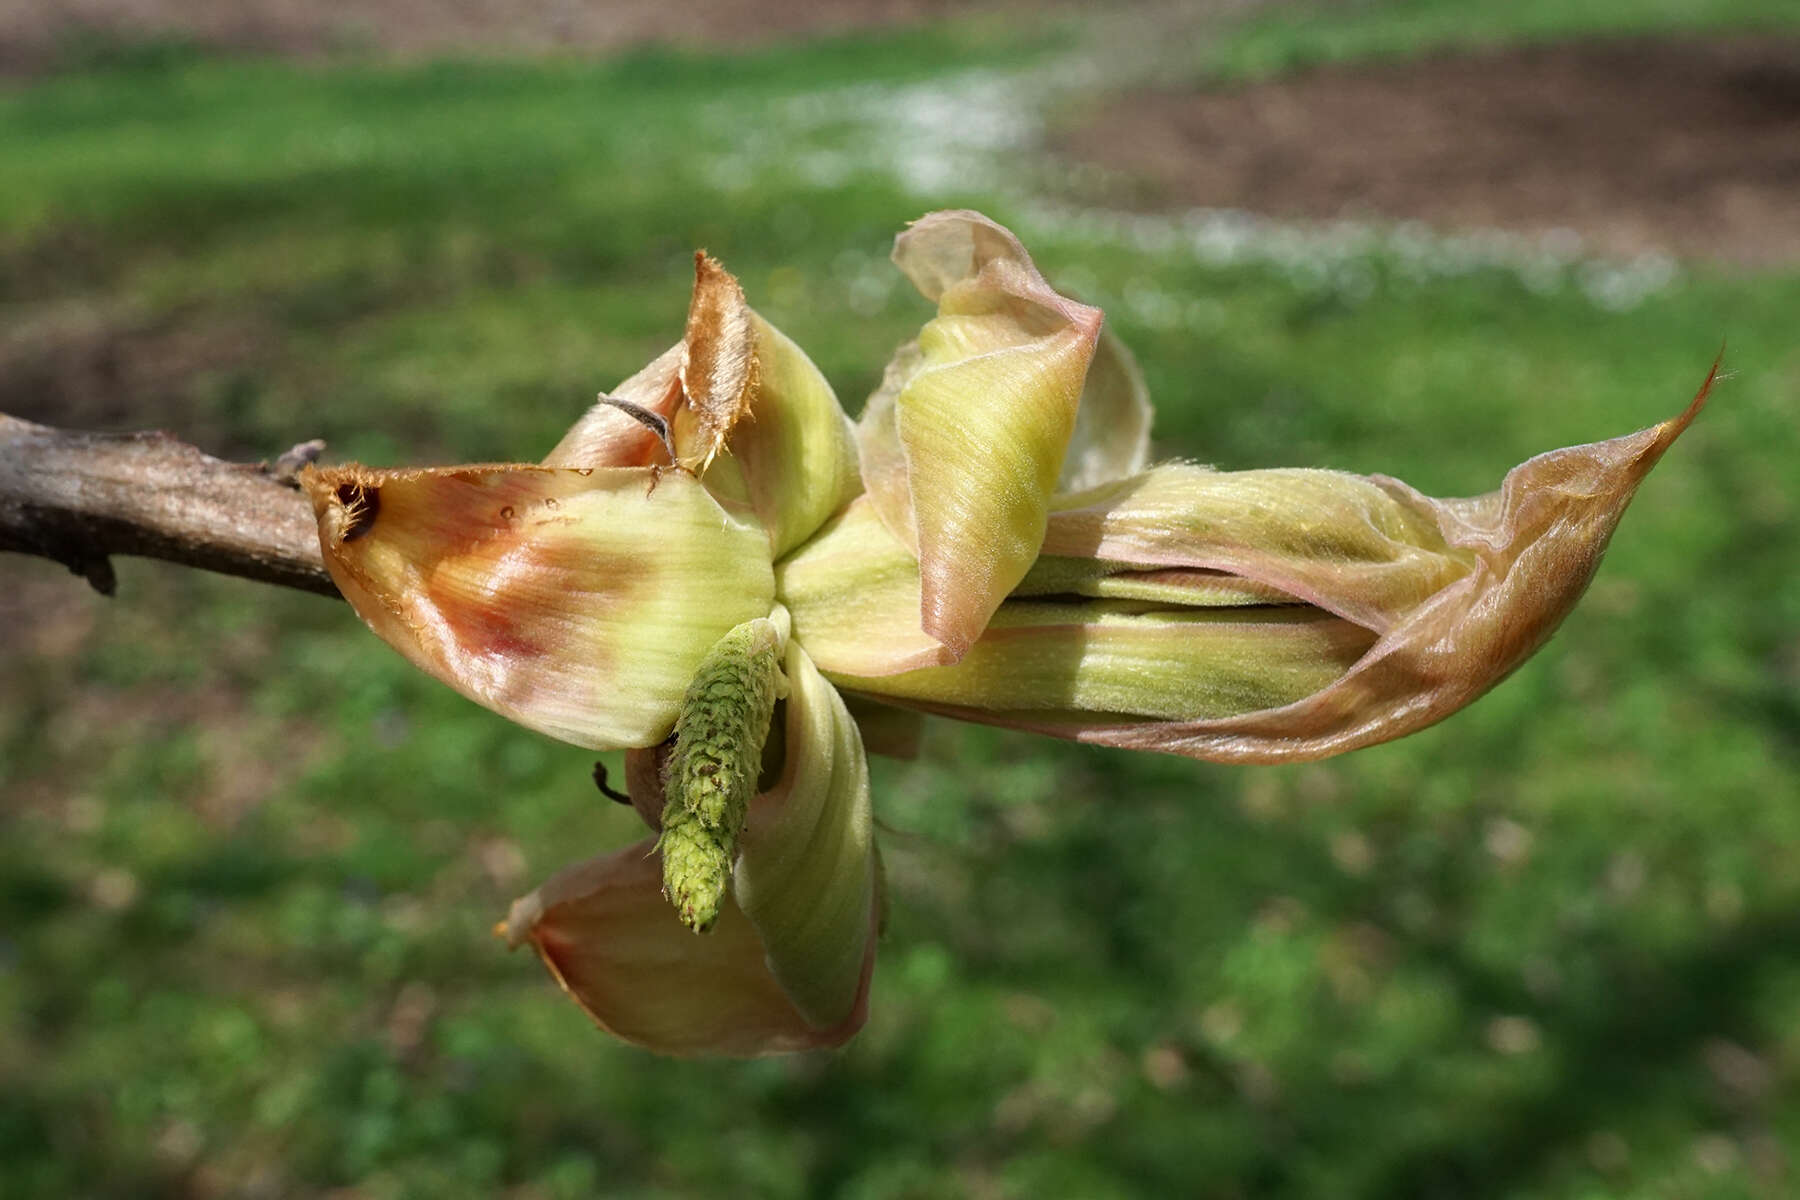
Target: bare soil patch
{"points": [[1687, 147]]}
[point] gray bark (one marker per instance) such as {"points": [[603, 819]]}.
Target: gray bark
{"points": [[79, 498]]}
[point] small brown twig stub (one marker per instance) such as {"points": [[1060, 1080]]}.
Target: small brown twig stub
{"points": [[79, 498]]}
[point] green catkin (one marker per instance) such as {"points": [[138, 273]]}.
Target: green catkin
{"points": [[711, 775]]}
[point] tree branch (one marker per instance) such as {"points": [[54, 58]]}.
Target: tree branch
{"points": [[79, 497]]}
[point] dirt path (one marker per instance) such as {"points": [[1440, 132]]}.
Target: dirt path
{"points": [[1689, 147]]}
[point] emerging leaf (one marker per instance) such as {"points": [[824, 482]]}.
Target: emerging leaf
{"points": [[1342, 542], [965, 439], [797, 450], [807, 874], [1512, 565], [1112, 422], [1106, 659], [854, 595]]}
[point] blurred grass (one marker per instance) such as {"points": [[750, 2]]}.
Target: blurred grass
{"points": [[250, 859], [1290, 38]]}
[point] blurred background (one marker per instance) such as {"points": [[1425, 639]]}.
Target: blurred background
{"points": [[249, 859]]}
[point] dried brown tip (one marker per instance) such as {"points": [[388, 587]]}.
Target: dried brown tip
{"points": [[357, 507]]}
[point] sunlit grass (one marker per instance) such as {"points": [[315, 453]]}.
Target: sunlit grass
{"points": [[1309, 34]]}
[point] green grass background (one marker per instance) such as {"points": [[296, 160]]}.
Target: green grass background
{"points": [[249, 859]]}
